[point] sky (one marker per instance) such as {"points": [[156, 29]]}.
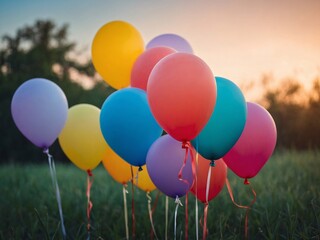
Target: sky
{"points": [[239, 40]]}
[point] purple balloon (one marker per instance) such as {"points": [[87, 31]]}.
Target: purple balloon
{"points": [[171, 40], [164, 161], [39, 109]]}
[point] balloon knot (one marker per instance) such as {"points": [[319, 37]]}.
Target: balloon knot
{"points": [[46, 150], [177, 201], [185, 144], [212, 163], [89, 173], [246, 181], [140, 168]]}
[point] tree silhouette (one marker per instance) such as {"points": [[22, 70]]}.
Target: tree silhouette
{"points": [[296, 114], [41, 50]]}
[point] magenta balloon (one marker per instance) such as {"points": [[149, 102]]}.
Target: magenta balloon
{"points": [[164, 161], [171, 40], [255, 145], [39, 109]]}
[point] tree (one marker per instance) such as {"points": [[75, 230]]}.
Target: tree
{"points": [[313, 116], [41, 50], [296, 113]]}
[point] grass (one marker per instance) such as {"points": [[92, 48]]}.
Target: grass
{"points": [[287, 206]]}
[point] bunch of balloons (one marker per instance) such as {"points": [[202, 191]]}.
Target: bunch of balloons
{"points": [[169, 88], [168, 109]]}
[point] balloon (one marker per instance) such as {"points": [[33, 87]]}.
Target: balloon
{"points": [[128, 126], [182, 94], [115, 48], [255, 145], [145, 63], [81, 139], [119, 169], [171, 40], [226, 122], [164, 161], [217, 179], [144, 181], [39, 109]]}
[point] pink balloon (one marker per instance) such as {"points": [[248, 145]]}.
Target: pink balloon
{"points": [[182, 95], [255, 145], [145, 63]]}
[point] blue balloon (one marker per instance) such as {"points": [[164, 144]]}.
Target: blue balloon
{"points": [[226, 122], [128, 125]]}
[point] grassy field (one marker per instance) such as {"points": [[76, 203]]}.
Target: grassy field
{"points": [[287, 206]]}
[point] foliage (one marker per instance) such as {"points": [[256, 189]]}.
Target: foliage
{"points": [[296, 113], [287, 206], [41, 50]]}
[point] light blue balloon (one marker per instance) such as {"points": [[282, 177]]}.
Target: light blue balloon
{"points": [[226, 122], [128, 125], [40, 109]]}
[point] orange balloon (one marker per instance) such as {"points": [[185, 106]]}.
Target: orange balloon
{"points": [[217, 179], [144, 182], [118, 168]]}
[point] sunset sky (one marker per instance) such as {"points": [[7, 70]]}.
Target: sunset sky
{"points": [[239, 40]]}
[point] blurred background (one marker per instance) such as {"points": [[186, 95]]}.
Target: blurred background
{"points": [[270, 49]]}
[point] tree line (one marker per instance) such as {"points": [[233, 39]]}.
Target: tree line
{"points": [[43, 50], [296, 113]]}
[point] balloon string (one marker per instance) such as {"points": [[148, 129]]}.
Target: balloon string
{"points": [[136, 178], [167, 213], [187, 217], [205, 217], [89, 204], [208, 185], [197, 220], [178, 202], [196, 181], [56, 188], [125, 192], [205, 211], [187, 145], [132, 207], [153, 233], [246, 182], [155, 203]]}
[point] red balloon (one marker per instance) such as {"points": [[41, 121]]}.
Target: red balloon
{"points": [[145, 63], [217, 179], [255, 145], [182, 94]]}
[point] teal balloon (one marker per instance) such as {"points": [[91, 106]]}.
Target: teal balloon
{"points": [[226, 122], [128, 126]]}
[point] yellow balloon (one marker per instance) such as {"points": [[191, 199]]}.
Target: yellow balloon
{"points": [[81, 138], [118, 168], [114, 50], [144, 182]]}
